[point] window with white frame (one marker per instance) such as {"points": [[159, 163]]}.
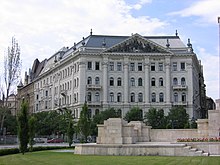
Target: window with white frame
{"points": [[111, 66], [153, 97], [132, 66], [140, 97], [132, 97], [174, 66], [140, 83], [111, 97], [140, 66], [97, 82], [161, 97], [111, 81], [160, 66], [119, 66], [132, 81]]}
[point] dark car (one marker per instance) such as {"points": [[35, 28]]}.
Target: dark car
{"points": [[55, 140]]}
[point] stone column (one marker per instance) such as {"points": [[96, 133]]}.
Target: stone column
{"points": [[126, 85], [191, 96], [147, 80], [168, 77], [105, 80], [82, 81]]}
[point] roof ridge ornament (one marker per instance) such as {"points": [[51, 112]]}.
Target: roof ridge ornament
{"points": [[176, 33], [83, 42], [168, 44], [190, 49], [103, 43]]}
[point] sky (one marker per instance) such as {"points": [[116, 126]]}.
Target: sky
{"points": [[43, 27]]}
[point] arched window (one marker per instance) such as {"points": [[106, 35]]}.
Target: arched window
{"points": [[132, 81], [89, 80], [153, 82], [140, 82], [183, 97], [89, 99], [119, 112], [111, 97], [140, 97], [96, 111], [97, 81], [161, 81], [132, 97], [119, 81], [161, 97], [97, 97], [175, 81], [183, 81], [111, 82], [153, 97], [89, 113], [175, 96], [119, 98]]}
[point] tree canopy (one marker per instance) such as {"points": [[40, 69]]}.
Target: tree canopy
{"points": [[155, 118], [135, 114]]}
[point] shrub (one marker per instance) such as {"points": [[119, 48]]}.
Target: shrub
{"points": [[9, 151]]}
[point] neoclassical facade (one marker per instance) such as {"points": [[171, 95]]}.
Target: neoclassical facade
{"points": [[122, 72]]}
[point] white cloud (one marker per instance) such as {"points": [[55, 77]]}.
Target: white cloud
{"points": [[211, 72], [208, 10], [42, 27]]}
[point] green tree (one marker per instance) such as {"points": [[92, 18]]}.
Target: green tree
{"points": [[84, 123], [23, 128], [104, 115], [155, 118], [10, 122], [135, 114], [70, 132], [178, 118], [32, 128], [69, 121], [48, 123]]}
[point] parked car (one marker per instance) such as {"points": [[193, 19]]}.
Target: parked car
{"points": [[55, 140], [40, 140]]}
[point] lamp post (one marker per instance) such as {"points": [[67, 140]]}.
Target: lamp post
{"points": [[219, 54]]}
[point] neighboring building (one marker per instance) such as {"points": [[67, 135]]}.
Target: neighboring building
{"points": [[122, 72], [26, 91], [12, 103], [210, 104]]}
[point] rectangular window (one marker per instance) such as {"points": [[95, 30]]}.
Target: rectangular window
{"points": [[132, 66], [96, 65], [139, 66], [119, 66], [174, 66], [111, 66], [160, 66], [152, 66], [89, 65], [182, 66]]}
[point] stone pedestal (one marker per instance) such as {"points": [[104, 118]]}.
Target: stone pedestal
{"points": [[214, 123], [203, 126]]}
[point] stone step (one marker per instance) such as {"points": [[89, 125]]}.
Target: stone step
{"points": [[187, 147], [205, 154], [198, 153], [193, 149]]}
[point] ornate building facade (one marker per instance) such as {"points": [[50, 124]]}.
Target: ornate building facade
{"points": [[122, 72]]}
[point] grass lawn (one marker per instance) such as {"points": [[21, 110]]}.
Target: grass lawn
{"points": [[63, 158]]}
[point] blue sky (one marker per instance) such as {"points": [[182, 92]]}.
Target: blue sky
{"points": [[43, 27]]}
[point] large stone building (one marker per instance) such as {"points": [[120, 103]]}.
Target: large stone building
{"points": [[122, 72]]}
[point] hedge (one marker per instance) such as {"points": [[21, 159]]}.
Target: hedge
{"points": [[9, 151]]}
